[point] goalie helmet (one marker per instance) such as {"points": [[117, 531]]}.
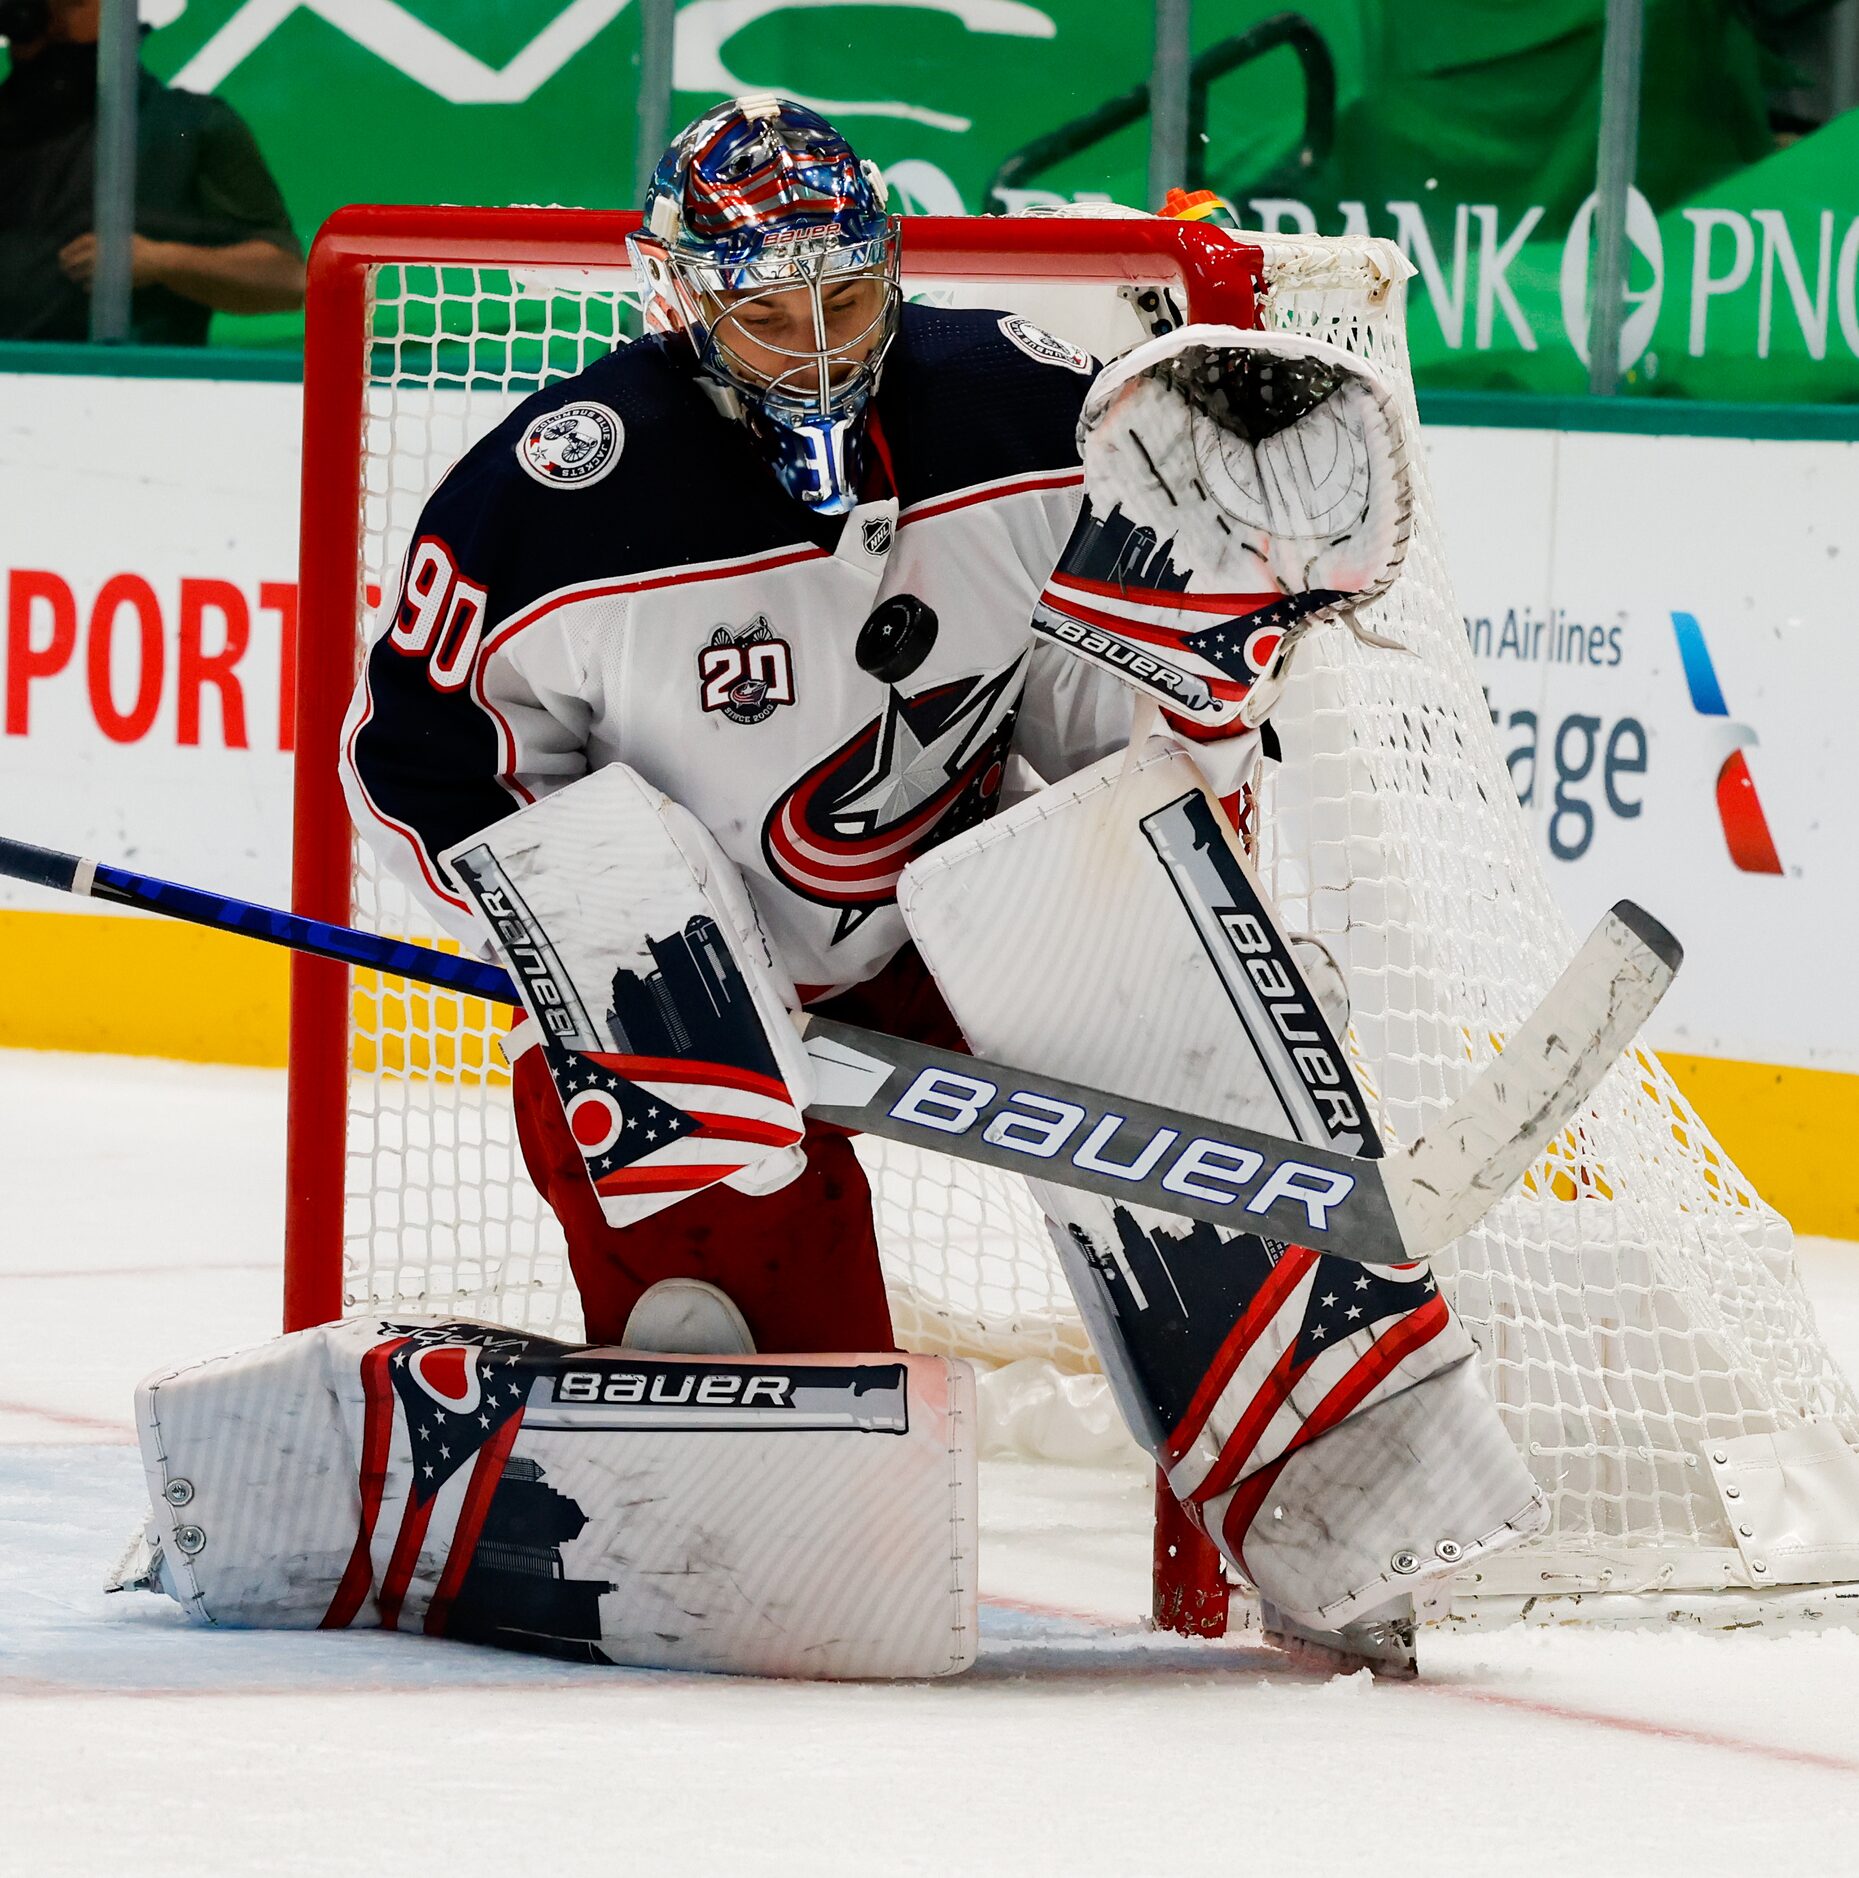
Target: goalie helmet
{"points": [[767, 243]]}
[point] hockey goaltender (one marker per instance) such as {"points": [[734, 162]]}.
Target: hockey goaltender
{"points": [[696, 701]]}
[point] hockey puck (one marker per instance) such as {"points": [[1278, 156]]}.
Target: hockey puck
{"points": [[897, 638]]}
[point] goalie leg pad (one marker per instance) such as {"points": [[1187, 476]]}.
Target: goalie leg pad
{"points": [[1085, 934], [1411, 1491], [789, 1517], [661, 1007]]}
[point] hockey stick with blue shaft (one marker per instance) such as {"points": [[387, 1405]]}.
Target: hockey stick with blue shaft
{"points": [[1402, 1207], [97, 880], [868, 1082]]}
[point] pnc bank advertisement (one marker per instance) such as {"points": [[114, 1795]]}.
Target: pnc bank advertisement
{"points": [[1462, 131]]}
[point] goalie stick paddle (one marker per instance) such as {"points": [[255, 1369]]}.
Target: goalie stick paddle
{"points": [[1402, 1207]]}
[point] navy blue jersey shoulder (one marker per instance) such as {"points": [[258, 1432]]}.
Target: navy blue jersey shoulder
{"points": [[687, 487], [963, 403]]}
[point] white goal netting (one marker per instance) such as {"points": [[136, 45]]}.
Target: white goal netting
{"points": [[1635, 1302]]}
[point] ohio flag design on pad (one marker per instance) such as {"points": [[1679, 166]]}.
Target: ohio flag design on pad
{"points": [[693, 1093], [650, 1120], [641, 965], [442, 1404]]}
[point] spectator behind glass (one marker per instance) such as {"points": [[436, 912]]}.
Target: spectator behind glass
{"points": [[211, 228]]}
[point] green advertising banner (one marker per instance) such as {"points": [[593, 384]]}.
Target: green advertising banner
{"points": [[1464, 130]]}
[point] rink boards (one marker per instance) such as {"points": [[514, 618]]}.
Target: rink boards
{"points": [[1662, 623]]}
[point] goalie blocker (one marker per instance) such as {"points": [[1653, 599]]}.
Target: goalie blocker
{"points": [[658, 1005], [785, 1516]]}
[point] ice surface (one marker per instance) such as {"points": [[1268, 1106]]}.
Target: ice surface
{"points": [[142, 1224]]}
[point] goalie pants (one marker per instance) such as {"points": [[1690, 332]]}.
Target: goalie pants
{"points": [[801, 1264]]}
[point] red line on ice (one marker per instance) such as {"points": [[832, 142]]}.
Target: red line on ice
{"points": [[1491, 1698], [1636, 1725], [119, 1431]]}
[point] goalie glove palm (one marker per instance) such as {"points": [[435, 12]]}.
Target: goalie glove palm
{"points": [[1242, 488]]}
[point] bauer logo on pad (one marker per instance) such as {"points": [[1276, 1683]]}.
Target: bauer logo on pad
{"points": [[802, 1398]]}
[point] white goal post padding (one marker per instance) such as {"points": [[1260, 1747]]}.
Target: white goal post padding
{"points": [[1633, 1305]]}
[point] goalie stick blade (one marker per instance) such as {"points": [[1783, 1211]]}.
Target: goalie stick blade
{"points": [[1454, 1174], [1384, 1644], [1661, 942], [1132, 1152]]}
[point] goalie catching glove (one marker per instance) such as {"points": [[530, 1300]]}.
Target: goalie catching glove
{"points": [[1242, 488]]}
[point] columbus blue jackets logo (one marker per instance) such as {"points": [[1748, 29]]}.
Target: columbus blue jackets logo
{"points": [[1039, 344], [572, 447], [745, 674], [926, 769]]}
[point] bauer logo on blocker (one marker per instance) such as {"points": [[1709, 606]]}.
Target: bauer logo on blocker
{"points": [[573, 447]]}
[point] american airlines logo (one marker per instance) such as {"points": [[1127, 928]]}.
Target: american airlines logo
{"points": [[427, 56], [1739, 808]]}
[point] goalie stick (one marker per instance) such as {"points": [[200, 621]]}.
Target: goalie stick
{"points": [[1402, 1207]]}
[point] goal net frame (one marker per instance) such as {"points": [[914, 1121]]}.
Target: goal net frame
{"points": [[1220, 282], [1635, 1305]]}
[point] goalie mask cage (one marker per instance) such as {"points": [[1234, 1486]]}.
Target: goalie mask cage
{"points": [[1634, 1306]]}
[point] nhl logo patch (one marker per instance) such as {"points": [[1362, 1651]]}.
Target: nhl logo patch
{"points": [[573, 447], [1039, 344], [878, 530]]}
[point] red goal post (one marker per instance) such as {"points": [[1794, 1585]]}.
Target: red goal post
{"points": [[1634, 1302]]}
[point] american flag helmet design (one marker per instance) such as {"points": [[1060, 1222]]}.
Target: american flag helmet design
{"points": [[761, 197]]}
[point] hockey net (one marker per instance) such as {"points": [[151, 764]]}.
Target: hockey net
{"points": [[1634, 1305]]}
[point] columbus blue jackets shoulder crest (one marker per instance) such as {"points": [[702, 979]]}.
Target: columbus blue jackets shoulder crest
{"points": [[572, 447]]}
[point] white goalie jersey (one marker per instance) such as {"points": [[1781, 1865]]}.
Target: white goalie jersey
{"points": [[612, 575]]}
